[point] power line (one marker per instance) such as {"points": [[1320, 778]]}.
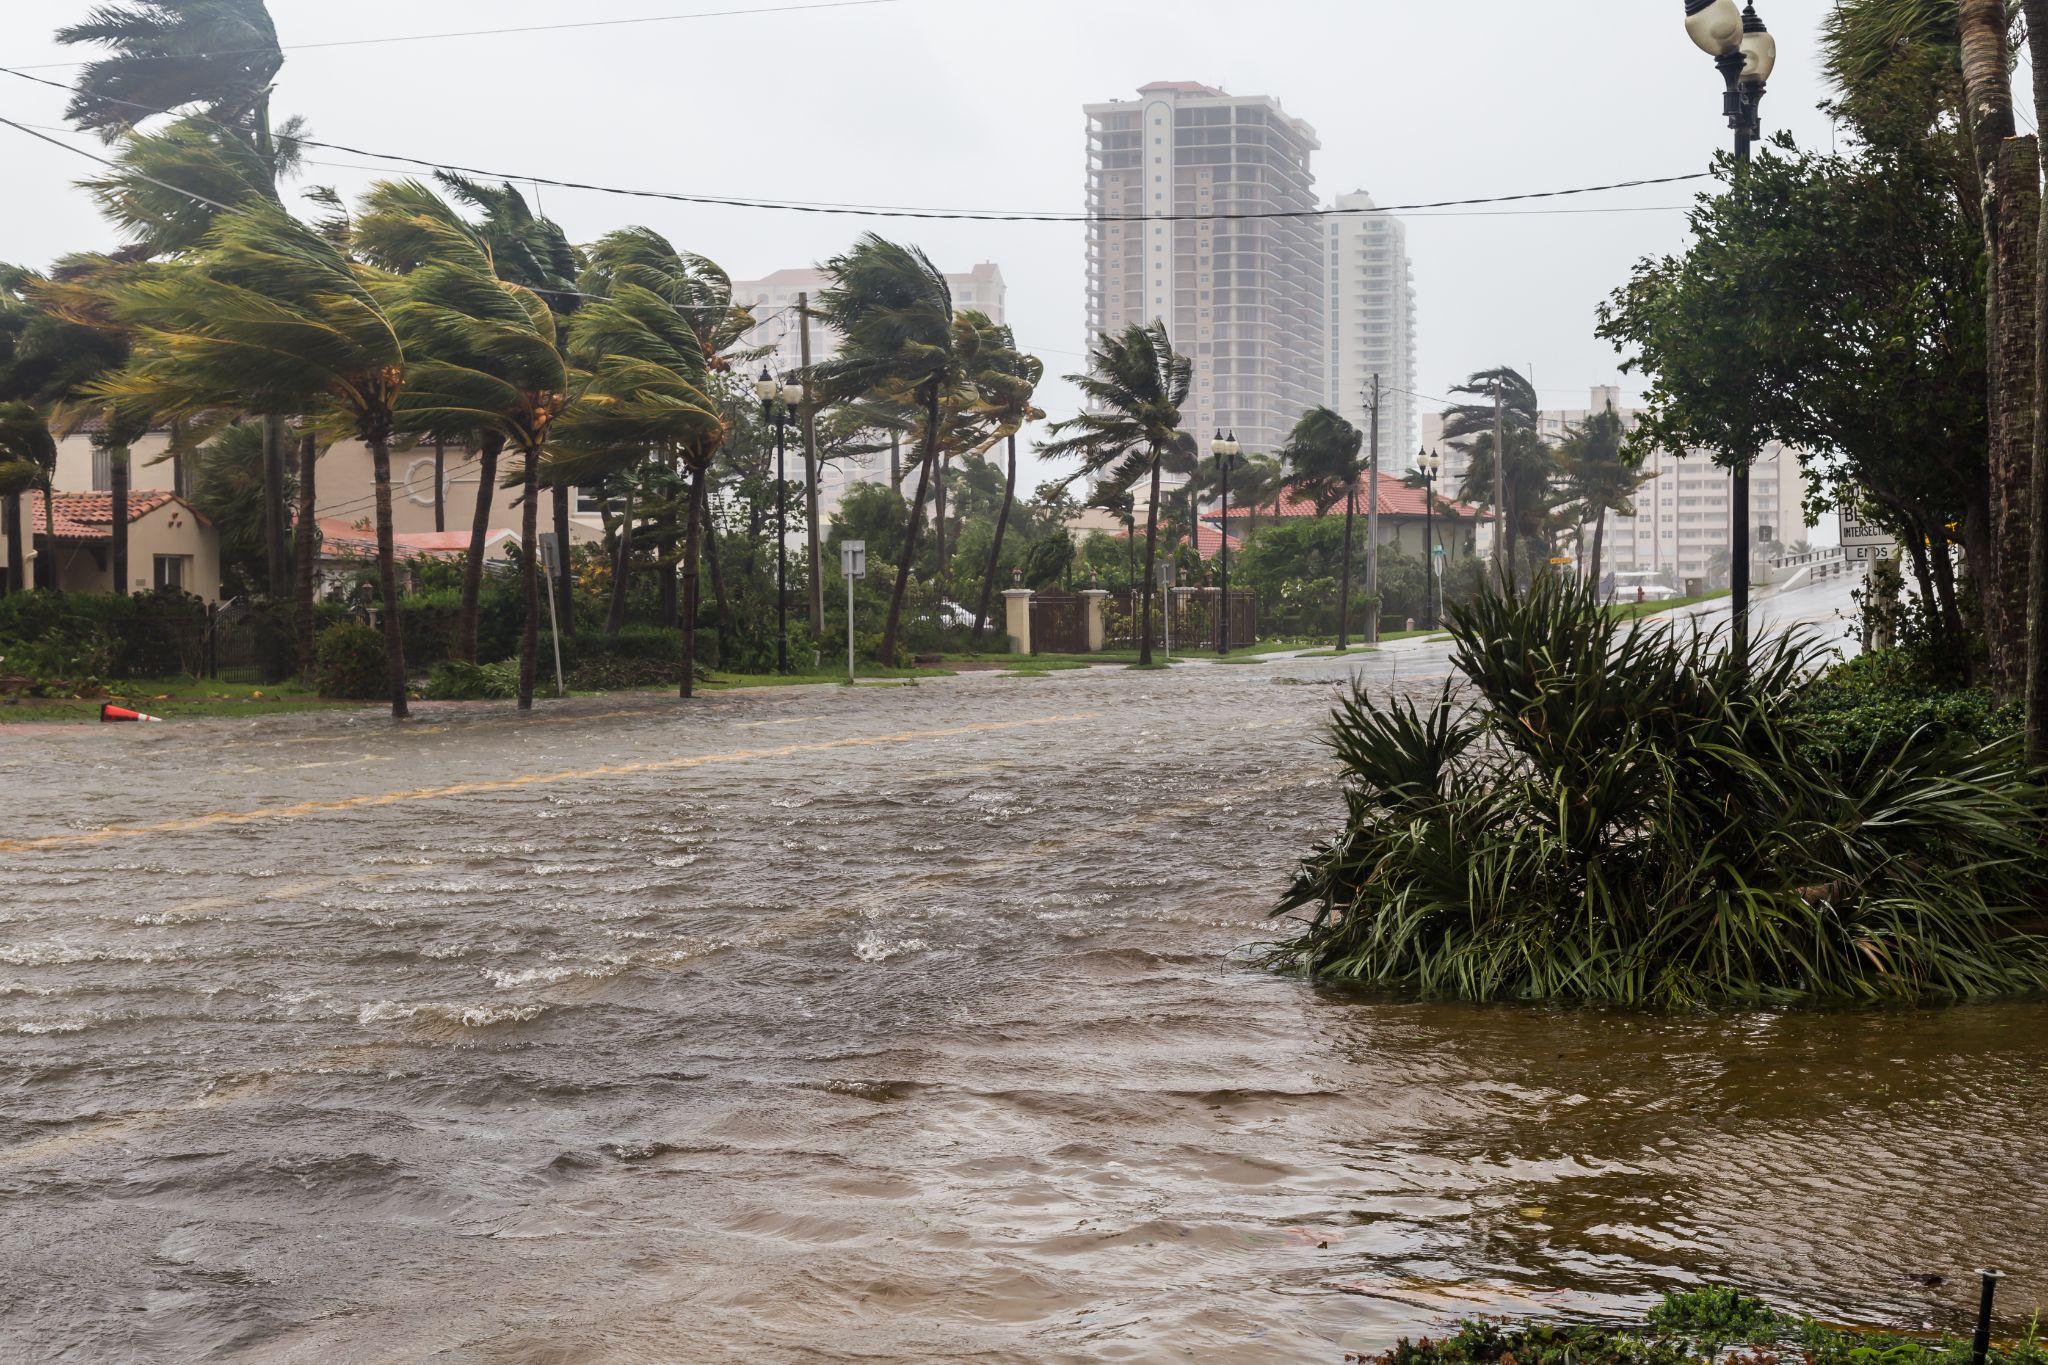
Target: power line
{"points": [[950, 215], [495, 32]]}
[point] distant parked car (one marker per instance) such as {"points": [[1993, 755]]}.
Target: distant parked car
{"points": [[953, 614], [1639, 586]]}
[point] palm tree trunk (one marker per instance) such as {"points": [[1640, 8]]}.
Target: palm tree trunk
{"points": [[690, 542], [2012, 403], [939, 519], [529, 576], [17, 554], [1344, 590], [473, 560], [564, 587], [909, 555], [49, 552], [622, 573], [665, 552], [1151, 546], [1599, 539], [995, 549], [275, 560], [440, 484], [305, 560], [387, 571], [816, 550], [117, 467], [711, 557], [2037, 497]]}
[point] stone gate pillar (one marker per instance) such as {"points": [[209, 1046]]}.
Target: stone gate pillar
{"points": [[1095, 598], [1017, 618]]}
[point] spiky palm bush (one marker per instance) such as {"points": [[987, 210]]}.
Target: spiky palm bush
{"points": [[1616, 813]]}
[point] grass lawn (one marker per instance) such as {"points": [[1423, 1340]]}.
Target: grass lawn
{"points": [[1629, 610], [175, 699], [727, 682]]}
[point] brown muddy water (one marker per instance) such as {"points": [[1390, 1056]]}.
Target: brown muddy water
{"points": [[904, 1023]]}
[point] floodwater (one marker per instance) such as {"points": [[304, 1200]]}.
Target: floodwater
{"points": [[898, 1023]]}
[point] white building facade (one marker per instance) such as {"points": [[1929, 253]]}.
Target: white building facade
{"points": [[1371, 324], [1682, 528]]}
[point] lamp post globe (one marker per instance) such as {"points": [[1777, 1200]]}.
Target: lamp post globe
{"points": [[765, 387], [1715, 26], [1759, 50]]}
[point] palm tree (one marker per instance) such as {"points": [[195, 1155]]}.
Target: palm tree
{"points": [[1324, 450], [895, 311], [1005, 384], [214, 58], [267, 316], [1116, 499], [1528, 469], [1135, 386], [647, 399], [1597, 478], [700, 293], [485, 360]]}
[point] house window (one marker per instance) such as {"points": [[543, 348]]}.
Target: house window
{"points": [[102, 470], [171, 572]]}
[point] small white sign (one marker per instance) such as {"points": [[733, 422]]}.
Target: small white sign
{"points": [[853, 558], [550, 554], [1863, 541]]}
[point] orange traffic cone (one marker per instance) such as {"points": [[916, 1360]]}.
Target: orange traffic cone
{"points": [[110, 712]]}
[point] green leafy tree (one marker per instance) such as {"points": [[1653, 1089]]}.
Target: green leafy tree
{"points": [[28, 458], [1135, 386]]}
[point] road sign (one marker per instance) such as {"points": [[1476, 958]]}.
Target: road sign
{"points": [[853, 558], [1863, 541], [550, 554]]}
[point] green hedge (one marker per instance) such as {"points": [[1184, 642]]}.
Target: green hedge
{"points": [[101, 635], [350, 664], [1882, 700]]}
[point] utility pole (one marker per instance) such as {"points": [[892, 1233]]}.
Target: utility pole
{"points": [[1372, 520], [803, 315], [896, 463], [1501, 568]]}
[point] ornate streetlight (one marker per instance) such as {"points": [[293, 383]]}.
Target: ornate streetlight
{"points": [[778, 401], [1428, 465], [1745, 53], [1226, 450]]}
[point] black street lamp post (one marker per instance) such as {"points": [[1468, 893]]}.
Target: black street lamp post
{"points": [[777, 402], [1225, 449], [1429, 464], [1745, 52]]}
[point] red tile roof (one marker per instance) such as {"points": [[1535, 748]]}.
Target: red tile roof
{"points": [[345, 540], [1396, 500], [90, 516], [1208, 540]]}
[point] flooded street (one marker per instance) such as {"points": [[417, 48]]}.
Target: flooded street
{"points": [[897, 1023]]}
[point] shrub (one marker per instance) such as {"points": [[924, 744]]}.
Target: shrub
{"points": [[1625, 815], [350, 664], [1714, 1316], [454, 680], [1884, 700], [102, 635]]}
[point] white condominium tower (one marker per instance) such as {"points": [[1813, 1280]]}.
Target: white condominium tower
{"points": [[1372, 324], [1241, 294]]}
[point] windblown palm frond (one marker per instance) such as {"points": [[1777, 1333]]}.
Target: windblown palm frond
{"points": [[216, 56], [1323, 450], [694, 286], [206, 167]]}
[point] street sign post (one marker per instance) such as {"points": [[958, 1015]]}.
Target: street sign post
{"points": [[551, 561], [853, 563]]}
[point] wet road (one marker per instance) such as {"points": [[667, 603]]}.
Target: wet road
{"points": [[898, 1023]]}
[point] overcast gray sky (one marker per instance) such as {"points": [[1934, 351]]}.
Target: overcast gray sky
{"points": [[977, 104]]}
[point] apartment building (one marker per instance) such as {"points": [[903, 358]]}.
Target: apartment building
{"points": [[1682, 527], [1242, 295], [1371, 323]]}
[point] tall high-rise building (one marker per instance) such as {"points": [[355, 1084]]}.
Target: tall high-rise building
{"points": [[1242, 296], [1371, 323]]}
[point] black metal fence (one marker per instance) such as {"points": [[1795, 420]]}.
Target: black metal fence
{"points": [[1059, 623], [1194, 616]]}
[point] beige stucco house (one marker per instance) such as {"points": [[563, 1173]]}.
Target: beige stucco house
{"points": [[169, 544]]}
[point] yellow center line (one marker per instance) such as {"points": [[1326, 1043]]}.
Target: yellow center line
{"points": [[500, 784]]}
